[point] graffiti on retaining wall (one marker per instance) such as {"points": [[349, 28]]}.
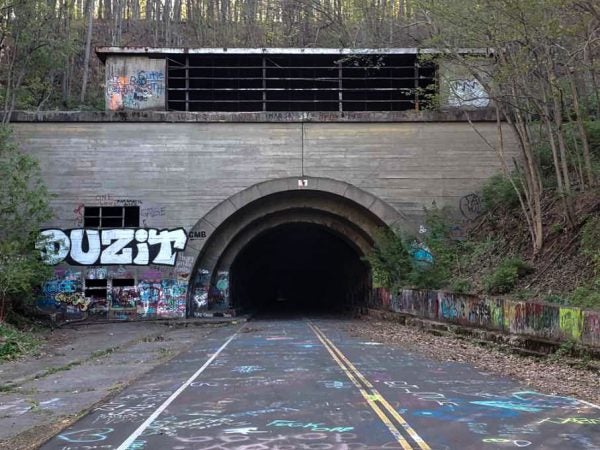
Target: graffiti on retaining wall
{"points": [[591, 328], [528, 318], [571, 323], [136, 91], [89, 247]]}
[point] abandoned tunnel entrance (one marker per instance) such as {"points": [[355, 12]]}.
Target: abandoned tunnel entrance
{"points": [[283, 246], [298, 268]]}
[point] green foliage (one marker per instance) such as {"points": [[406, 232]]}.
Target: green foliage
{"points": [[389, 260], [590, 241], [14, 343], [543, 154], [441, 247], [392, 259], [586, 297], [506, 275], [557, 299], [23, 209], [460, 286], [498, 192]]}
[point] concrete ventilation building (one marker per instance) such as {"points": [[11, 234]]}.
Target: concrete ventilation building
{"points": [[226, 179]]}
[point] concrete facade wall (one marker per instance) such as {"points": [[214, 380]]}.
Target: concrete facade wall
{"points": [[545, 321], [178, 172]]}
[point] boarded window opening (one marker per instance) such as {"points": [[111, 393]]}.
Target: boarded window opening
{"points": [[123, 282], [96, 288], [111, 217]]}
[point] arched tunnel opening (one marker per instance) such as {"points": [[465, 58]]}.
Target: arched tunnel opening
{"points": [[299, 268]]}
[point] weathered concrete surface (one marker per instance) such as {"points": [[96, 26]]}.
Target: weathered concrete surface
{"points": [[95, 361], [181, 171], [292, 385], [448, 115]]}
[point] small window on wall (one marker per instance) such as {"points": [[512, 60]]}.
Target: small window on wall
{"points": [[111, 217], [95, 288]]}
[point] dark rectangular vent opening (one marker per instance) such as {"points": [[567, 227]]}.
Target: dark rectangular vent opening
{"points": [[123, 282], [238, 83]]}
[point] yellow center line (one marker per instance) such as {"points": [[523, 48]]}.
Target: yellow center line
{"points": [[374, 395], [369, 398]]}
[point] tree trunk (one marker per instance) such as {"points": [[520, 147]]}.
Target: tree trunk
{"points": [[88, 47], [582, 133]]}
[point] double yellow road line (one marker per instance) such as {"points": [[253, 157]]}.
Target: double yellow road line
{"points": [[388, 415]]}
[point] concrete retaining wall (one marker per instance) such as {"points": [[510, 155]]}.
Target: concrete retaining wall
{"points": [[540, 320]]}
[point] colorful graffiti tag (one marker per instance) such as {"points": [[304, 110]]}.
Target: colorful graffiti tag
{"points": [[135, 91]]}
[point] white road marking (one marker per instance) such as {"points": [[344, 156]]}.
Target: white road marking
{"points": [[244, 431], [125, 445]]}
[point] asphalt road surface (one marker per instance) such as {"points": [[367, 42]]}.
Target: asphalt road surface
{"points": [[307, 385]]}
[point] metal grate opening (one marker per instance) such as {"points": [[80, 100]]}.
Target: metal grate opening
{"points": [[237, 83]]}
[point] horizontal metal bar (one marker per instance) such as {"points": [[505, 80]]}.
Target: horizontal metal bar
{"points": [[293, 89], [301, 78], [332, 67], [290, 101]]}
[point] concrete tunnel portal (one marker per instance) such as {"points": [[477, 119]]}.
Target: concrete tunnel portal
{"points": [[281, 248]]}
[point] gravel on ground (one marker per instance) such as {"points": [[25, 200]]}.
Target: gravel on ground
{"points": [[551, 375]]}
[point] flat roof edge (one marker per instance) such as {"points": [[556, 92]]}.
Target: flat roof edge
{"points": [[450, 115], [106, 50]]}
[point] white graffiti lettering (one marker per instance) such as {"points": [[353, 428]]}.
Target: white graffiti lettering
{"points": [[89, 247]]}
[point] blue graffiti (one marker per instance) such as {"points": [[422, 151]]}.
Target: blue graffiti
{"points": [[508, 405]]}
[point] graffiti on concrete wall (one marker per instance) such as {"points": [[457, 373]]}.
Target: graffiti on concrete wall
{"points": [[64, 294], [123, 303], [471, 206], [541, 320], [467, 93], [201, 291], [421, 254], [183, 268], [139, 90], [210, 294], [222, 288], [150, 293], [146, 299], [88, 247], [173, 299]]}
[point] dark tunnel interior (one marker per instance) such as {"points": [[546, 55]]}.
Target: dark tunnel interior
{"points": [[298, 268]]}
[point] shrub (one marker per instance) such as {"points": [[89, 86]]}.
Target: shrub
{"points": [[389, 260], [460, 286], [585, 297], [504, 278], [14, 343], [498, 192], [590, 241]]}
